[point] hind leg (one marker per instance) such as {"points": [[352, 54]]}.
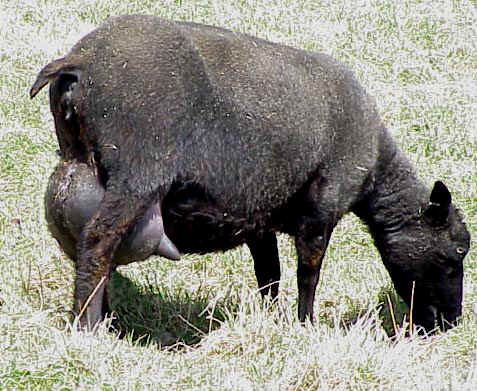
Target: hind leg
{"points": [[264, 251], [96, 246]]}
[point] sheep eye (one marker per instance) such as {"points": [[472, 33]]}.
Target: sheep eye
{"points": [[460, 250]]}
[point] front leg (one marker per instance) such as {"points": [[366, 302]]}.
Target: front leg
{"points": [[311, 244], [317, 215]]}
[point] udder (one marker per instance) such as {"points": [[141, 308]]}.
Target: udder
{"points": [[74, 195]]}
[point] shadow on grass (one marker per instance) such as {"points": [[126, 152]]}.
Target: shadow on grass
{"points": [[154, 314], [393, 313]]}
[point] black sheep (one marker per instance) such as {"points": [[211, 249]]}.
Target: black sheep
{"points": [[210, 139]]}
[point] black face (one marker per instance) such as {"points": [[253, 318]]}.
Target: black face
{"points": [[425, 261]]}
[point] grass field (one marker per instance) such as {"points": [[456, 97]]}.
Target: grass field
{"points": [[199, 323]]}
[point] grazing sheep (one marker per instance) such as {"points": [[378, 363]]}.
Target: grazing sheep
{"points": [[197, 139]]}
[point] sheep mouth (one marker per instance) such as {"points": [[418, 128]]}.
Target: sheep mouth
{"points": [[432, 319], [446, 320]]}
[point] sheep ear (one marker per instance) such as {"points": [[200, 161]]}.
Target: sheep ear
{"points": [[439, 204]]}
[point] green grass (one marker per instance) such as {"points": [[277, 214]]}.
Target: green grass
{"points": [[199, 323]]}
